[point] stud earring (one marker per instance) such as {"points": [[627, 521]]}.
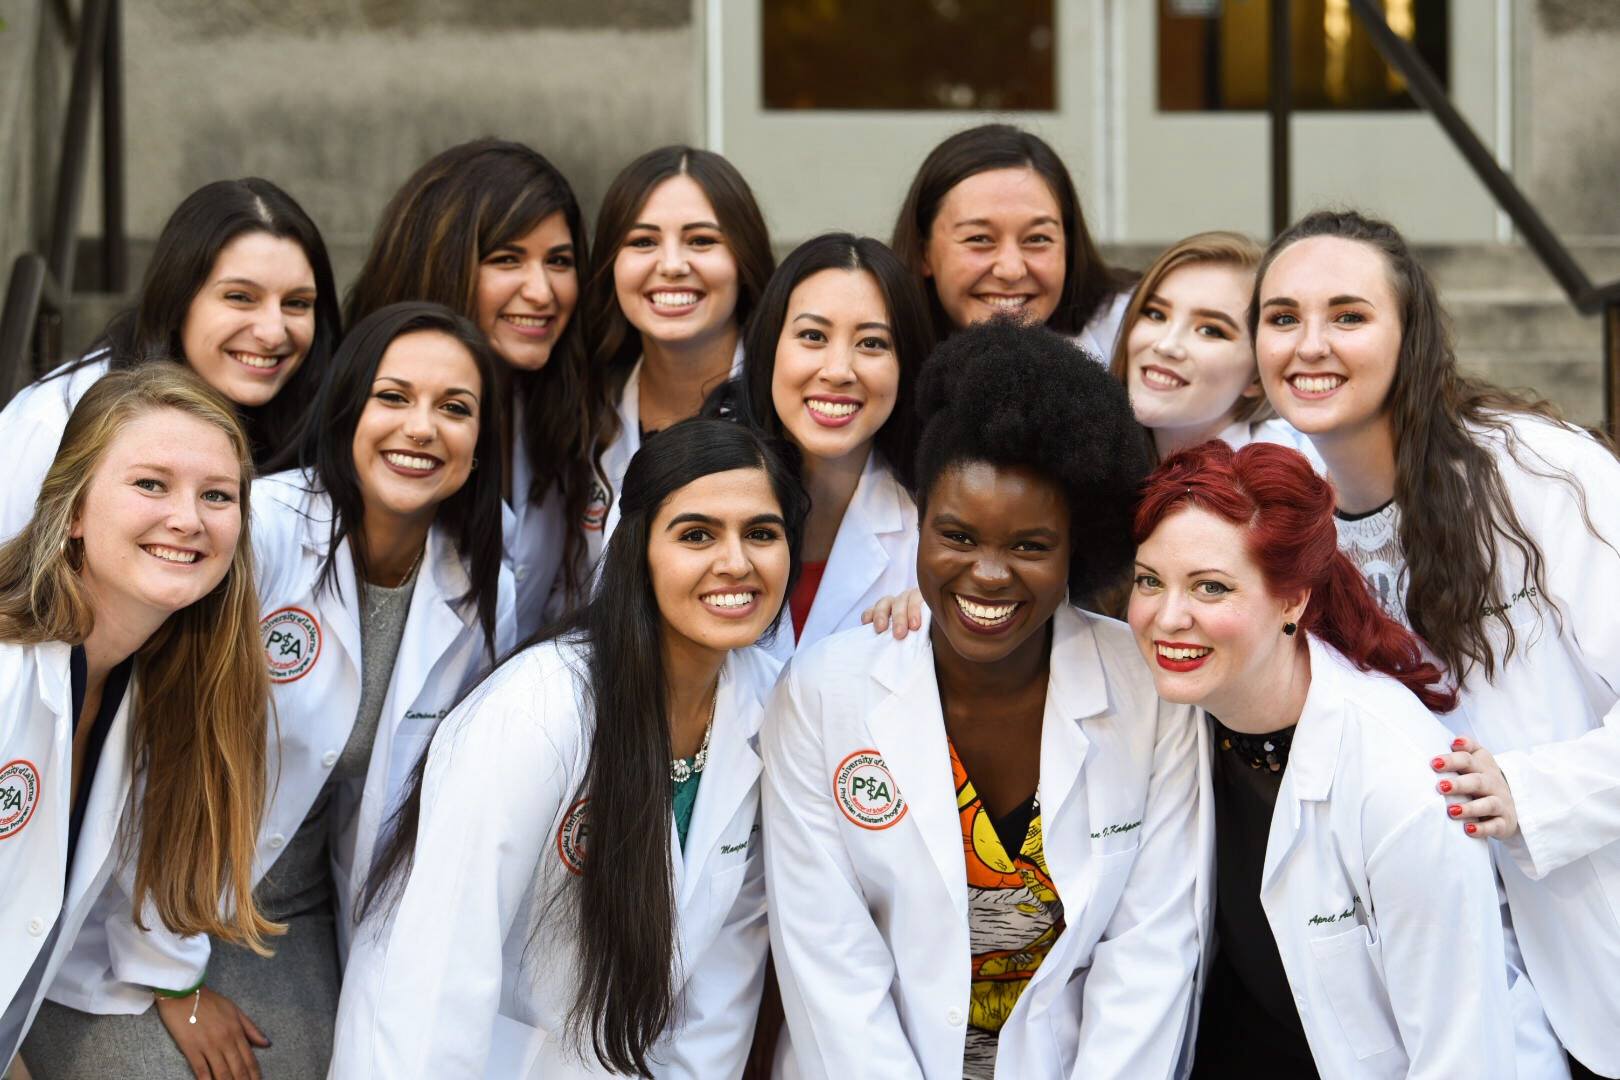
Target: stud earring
{"points": [[475, 463], [1289, 628]]}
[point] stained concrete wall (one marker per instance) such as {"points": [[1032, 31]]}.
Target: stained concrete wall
{"points": [[1571, 115]]}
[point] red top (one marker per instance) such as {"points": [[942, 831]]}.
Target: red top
{"points": [[804, 594]]}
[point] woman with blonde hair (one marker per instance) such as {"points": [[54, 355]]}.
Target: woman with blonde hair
{"points": [[129, 644]]}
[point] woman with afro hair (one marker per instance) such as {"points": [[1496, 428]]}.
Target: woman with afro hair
{"points": [[924, 923]]}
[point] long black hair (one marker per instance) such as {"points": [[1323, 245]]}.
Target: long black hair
{"points": [[1089, 283], [462, 205], [623, 902], [187, 248], [325, 448], [913, 334]]}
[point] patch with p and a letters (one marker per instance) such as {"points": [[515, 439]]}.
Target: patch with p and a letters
{"points": [[571, 837], [866, 791], [292, 643], [596, 509], [19, 794]]}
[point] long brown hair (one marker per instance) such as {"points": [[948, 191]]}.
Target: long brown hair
{"points": [[201, 690], [615, 344], [460, 206], [1456, 517], [1089, 283]]}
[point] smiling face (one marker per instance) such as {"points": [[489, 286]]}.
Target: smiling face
{"points": [[414, 442], [528, 289], [160, 518], [1189, 362], [675, 278], [993, 559], [996, 247], [251, 324], [1329, 335], [718, 557], [836, 376], [1208, 628]]}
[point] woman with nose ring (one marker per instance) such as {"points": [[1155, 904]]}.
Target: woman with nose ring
{"points": [[683, 257], [383, 598], [977, 839]]}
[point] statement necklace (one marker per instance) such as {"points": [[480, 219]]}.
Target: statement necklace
{"points": [[1267, 752], [681, 769]]}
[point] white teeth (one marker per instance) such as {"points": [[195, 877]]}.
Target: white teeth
{"points": [[732, 600], [1006, 303], [535, 322], [255, 360], [1317, 384], [169, 554], [409, 461], [986, 614], [1170, 653], [1162, 380], [675, 299], [832, 408]]}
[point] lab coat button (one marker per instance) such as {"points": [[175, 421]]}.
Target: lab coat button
{"points": [[277, 840], [36, 926], [329, 758], [954, 1017], [520, 573]]}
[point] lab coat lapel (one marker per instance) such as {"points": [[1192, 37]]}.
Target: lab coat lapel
{"points": [[861, 551], [1076, 693], [108, 794], [1312, 759], [730, 774], [434, 622], [51, 665], [909, 730], [339, 618]]}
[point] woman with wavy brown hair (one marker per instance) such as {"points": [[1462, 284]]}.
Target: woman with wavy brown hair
{"points": [[1488, 525], [130, 658]]}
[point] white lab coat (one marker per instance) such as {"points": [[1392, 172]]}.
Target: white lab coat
{"points": [[602, 515], [36, 766], [1097, 337], [873, 556], [869, 922], [1383, 910], [1552, 718], [1278, 431], [440, 656], [473, 973], [31, 429], [534, 537]]}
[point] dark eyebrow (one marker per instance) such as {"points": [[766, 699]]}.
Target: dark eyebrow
{"points": [[1346, 298], [813, 317], [1280, 301], [694, 518], [406, 383], [1044, 219], [255, 285], [1219, 316]]}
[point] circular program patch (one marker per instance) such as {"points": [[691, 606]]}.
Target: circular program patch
{"points": [[292, 643], [571, 837], [596, 509], [19, 794], [866, 791]]}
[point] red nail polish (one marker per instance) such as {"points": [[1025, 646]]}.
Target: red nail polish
{"points": [[1457, 744], [1445, 787], [1437, 764], [1471, 828], [1454, 811]]}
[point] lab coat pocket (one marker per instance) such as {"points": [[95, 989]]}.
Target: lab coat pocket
{"points": [[724, 885], [1347, 964]]}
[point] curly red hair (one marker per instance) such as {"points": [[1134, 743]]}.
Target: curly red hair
{"points": [[1286, 509]]}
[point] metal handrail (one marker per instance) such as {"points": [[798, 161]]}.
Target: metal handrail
{"points": [[1426, 90], [37, 292]]}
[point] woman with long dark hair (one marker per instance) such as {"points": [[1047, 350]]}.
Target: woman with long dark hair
{"points": [[683, 257], [240, 290], [1356, 932], [383, 598], [977, 839], [576, 886], [132, 731], [1488, 526], [992, 226], [830, 365], [492, 230]]}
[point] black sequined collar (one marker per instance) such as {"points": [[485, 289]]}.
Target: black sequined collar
{"points": [[1268, 752]]}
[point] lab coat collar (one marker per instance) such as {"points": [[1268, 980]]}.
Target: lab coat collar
{"points": [[859, 555], [1313, 757], [728, 776]]}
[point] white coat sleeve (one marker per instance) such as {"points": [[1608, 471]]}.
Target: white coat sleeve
{"points": [[1434, 902], [721, 996], [493, 786], [1145, 965], [1567, 794], [156, 957], [834, 969], [30, 446]]}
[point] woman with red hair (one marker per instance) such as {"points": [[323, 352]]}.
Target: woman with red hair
{"points": [[1340, 896]]}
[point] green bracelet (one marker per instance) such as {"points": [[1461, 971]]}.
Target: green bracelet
{"points": [[187, 992]]}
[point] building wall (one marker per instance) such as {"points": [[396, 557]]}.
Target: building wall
{"points": [[1571, 155]]}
